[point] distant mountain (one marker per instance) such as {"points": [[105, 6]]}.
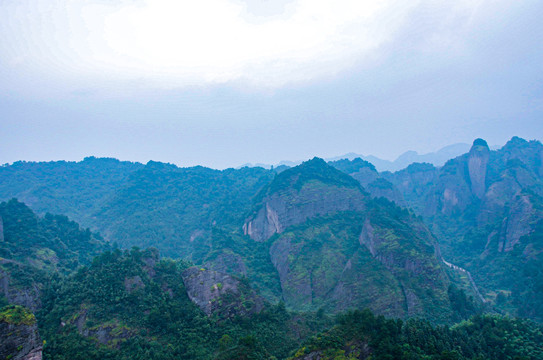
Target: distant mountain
{"points": [[155, 204], [368, 176], [74, 189], [437, 158]]}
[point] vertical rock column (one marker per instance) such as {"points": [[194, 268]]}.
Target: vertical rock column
{"points": [[477, 164]]}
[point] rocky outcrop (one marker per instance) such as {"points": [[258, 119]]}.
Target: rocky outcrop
{"points": [[150, 259], [477, 167], [1, 229], [308, 190], [517, 224], [19, 338], [219, 293], [283, 210], [28, 296], [111, 334]]}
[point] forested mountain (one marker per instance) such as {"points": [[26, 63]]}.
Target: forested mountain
{"points": [[486, 209], [333, 246], [157, 204], [32, 247], [262, 258], [77, 190], [132, 305]]}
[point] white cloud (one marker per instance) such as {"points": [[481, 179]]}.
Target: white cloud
{"points": [[179, 42]]}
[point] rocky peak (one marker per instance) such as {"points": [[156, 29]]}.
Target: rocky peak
{"points": [[311, 189], [353, 166], [515, 142], [477, 166]]}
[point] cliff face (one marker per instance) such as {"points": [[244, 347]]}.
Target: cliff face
{"points": [[27, 296], [486, 208], [288, 208], [362, 259], [19, 338], [517, 223], [335, 247], [477, 189], [477, 167], [219, 293], [311, 189]]}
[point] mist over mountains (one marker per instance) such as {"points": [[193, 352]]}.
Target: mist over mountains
{"points": [[260, 260], [437, 158]]}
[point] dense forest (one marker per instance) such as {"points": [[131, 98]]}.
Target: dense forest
{"points": [[319, 261]]}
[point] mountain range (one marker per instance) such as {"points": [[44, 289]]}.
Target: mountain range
{"points": [[246, 251], [437, 158]]}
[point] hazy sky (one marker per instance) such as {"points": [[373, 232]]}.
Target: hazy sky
{"points": [[226, 82]]}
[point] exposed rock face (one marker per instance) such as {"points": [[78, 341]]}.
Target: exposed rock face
{"points": [[20, 341], [347, 261], [1, 229], [220, 293], [482, 206], [28, 297], [283, 210], [297, 289], [480, 181], [412, 183], [111, 334], [367, 238], [517, 224], [308, 190], [477, 166], [420, 265]]}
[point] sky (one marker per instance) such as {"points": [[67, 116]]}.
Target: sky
{"points": [[221, 83]]}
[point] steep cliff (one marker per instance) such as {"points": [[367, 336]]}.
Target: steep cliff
{"points": [[381, 258], [19, 338], [485, 208], [477, 167], [297, 194]]}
